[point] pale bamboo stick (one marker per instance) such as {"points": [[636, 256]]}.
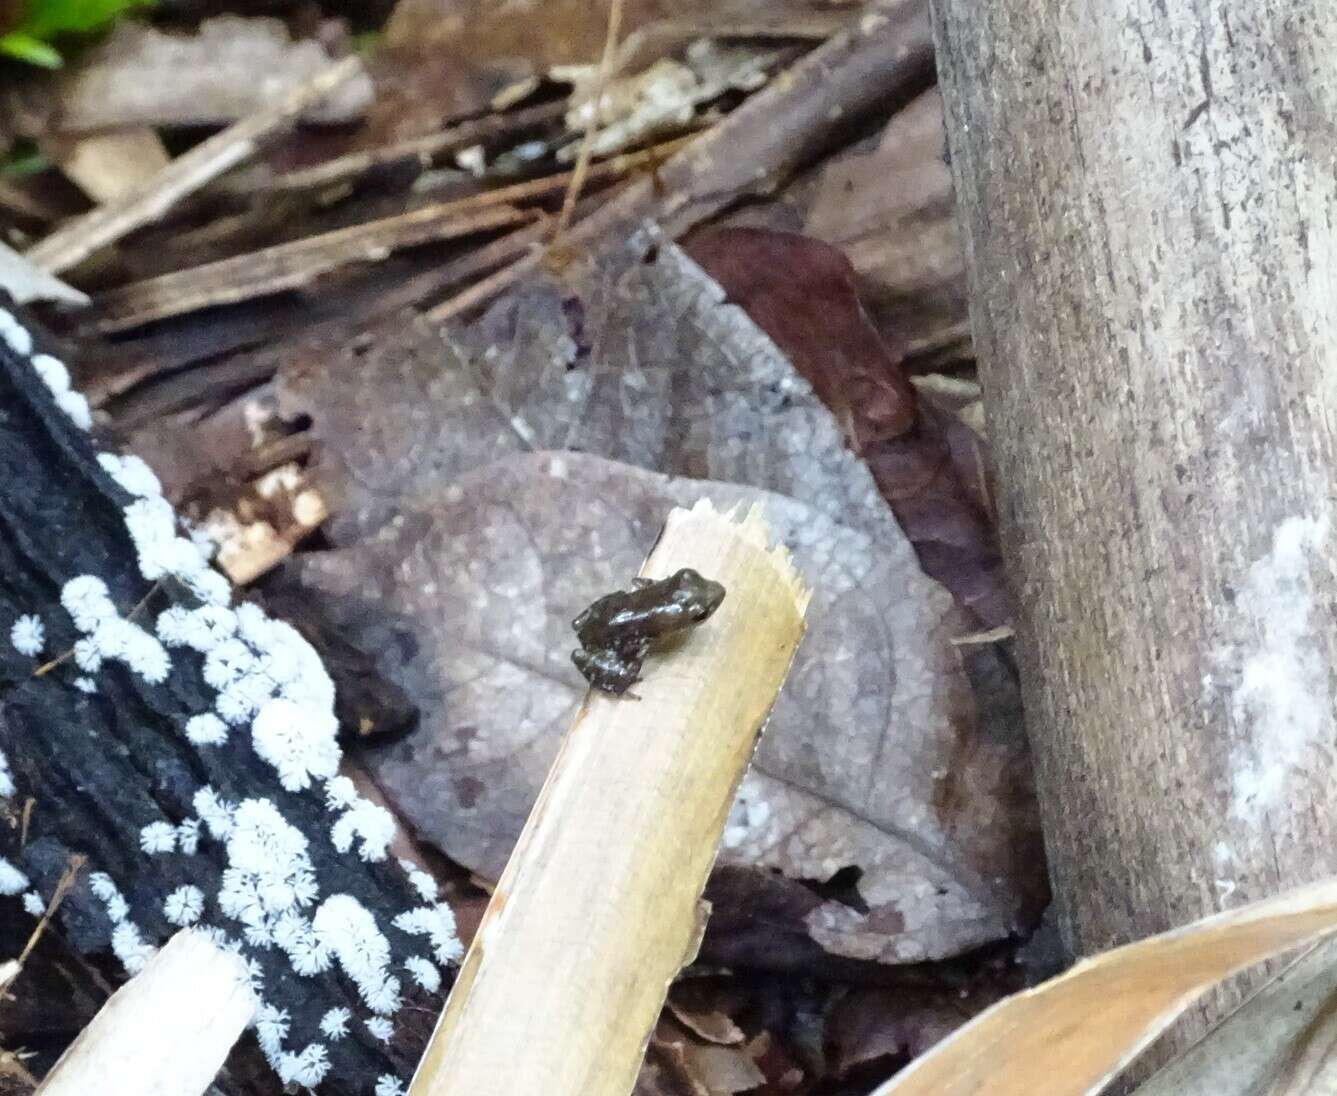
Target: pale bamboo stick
{"points": [[599, 906], [166, 1032]]}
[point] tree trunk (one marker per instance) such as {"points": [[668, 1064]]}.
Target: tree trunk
{"points": [[1148, 198]]}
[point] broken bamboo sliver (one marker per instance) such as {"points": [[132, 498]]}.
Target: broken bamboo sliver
{"points": [[166, 1032], [599, 906]]}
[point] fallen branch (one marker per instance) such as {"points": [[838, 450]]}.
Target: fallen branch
{"points": [[77, 239], [1173, 631], [599, 907], [164, 1033], [295, 264]]}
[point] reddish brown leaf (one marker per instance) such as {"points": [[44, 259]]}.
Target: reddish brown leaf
{"points": [[934, 479], [803, 294]]}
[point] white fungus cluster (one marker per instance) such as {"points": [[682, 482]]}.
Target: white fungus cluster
{"points": [[132, 473], [334, 1024], [109, 636], [28, 634], [350, 932], [127, 942], [437, 923], [424, 972], [163, 553], [184, 905], [158, 837], [51, 370], [270, 682], [12, 881], [6, 777]]}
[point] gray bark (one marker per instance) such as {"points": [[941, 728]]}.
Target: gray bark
{"points": [[1147, 194]]}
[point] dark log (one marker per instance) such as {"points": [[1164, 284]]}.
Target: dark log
{"points": [[91, 769], [1148, 202]]}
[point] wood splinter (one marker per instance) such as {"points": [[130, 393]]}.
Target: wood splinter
{"points": [[165, 1032], [600, 904]]}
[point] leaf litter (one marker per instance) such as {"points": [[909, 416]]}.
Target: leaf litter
{"points": [[487, 480]]}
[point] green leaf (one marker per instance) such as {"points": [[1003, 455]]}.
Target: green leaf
{"points": [[27, 48], [47, 19], [25, 158]]}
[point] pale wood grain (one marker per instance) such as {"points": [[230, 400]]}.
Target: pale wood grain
{"points": [[599, 906], [166, 1032]]}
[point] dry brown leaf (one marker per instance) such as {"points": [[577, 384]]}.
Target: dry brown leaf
{"points": [[635, 356], [712, 1025], [928, 465], [721, 1071], [878, 755], [882, 758], [804, 294], [869, 1025], [1070, 1036], [678, 1064]]}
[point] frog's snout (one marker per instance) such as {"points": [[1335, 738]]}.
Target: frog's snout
{"points": [[714, 594]]}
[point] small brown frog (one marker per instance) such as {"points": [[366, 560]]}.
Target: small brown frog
{"points": [[618, 630]]}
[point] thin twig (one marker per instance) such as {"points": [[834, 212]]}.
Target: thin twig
{"points": [[47, 667], [592, 127], [67, 878], [14, 967], [75, 240]]}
